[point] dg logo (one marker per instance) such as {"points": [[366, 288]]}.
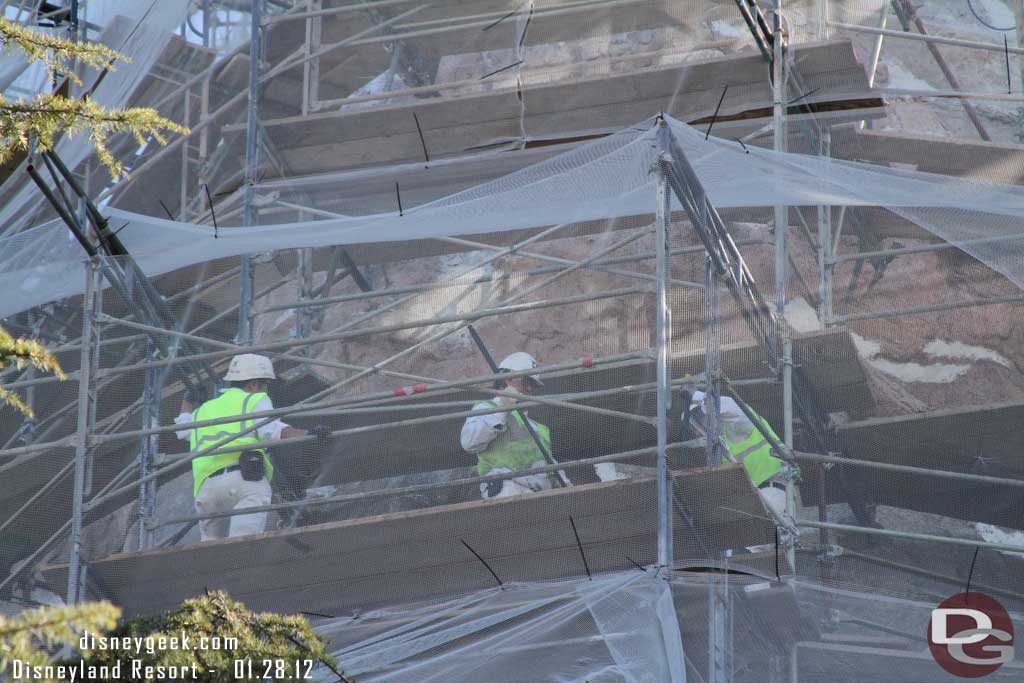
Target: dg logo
{"points": [[970, 635]]}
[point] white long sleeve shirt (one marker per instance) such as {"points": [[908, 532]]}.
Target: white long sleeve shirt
{"points": [[735, 424], [480, 430], [268, 432]]}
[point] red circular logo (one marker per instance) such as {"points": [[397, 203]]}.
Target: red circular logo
{"points": [[970, 635]]}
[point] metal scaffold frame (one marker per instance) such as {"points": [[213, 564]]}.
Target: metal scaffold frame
{"points": [[91, 306], [675, 180], [227, 349]]}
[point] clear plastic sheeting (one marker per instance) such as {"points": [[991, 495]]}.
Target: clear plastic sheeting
{"points": [[427, 187], [139, 30], [619, 628], [610, 630], [602, 180]]}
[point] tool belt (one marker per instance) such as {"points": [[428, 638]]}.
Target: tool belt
{"points": [[252, 466]]}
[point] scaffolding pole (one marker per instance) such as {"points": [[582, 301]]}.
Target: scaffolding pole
{"points": [[149, 445], [908, 13], [419, 488], [712, 363], [482, 279], [720, 665], [663, 323], [780, 75], [923, 37], [252, 146], [719, 605], [83, 445], [463, 319], [910, 535], [324, 410], [826, 262], [223, 443]]}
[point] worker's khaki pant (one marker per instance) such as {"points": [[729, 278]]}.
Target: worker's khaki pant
{"points": [[775, 500], [230, 492]]}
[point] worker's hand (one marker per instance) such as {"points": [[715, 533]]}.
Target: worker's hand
{"points": [[322, 432]]}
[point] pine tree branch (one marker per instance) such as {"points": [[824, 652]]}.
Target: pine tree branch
{"points": [[24, 352], [46, 117], [56, 52]]}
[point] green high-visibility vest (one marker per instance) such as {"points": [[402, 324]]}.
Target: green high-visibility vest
{"points": [[515, 449], [755, 452], [234, 401]]}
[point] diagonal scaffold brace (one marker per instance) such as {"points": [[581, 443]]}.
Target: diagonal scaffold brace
{"points": [[725, 259], [117, 264]]}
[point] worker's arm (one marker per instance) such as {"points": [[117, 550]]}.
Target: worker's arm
{"points": [[735, 424], [480, 430], [281, 430], [275, 429], [184, 417], [290, 432]]}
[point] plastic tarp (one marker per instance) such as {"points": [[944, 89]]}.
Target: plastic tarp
{"points": [[617, 628], [606, 179], [152, 24]]}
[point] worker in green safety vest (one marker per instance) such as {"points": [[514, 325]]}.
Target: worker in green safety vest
{"points": [[501, 441], [239, 478], [748, 445]]}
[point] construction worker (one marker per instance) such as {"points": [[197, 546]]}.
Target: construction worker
{"points": [[747, 444], [239, 479], [501, 441]]}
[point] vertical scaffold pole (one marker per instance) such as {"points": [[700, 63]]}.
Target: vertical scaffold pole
{"points": [[86, 395], [252, 146], [663, 223], [719, 606], [826, 266], [149, 446], [779, 75], [719, 629], [304, 316], [822, 19], [1018, 15], [779, 126], [712, 362]]}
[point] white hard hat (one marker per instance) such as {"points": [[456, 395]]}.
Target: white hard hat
{"points": [[520, 360], [729, 410], [249, 366], [698, 396]]}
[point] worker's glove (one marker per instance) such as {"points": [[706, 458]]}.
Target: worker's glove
{"points": [[322, 432]]}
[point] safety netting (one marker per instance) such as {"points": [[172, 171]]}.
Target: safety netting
{"points": [[422, 191]]}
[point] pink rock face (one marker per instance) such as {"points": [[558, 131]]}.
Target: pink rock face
{"points": [[904, 375]]}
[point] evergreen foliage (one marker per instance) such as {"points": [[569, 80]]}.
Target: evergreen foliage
{"points": [[23, 352], [44, 119], [213, 638]]}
